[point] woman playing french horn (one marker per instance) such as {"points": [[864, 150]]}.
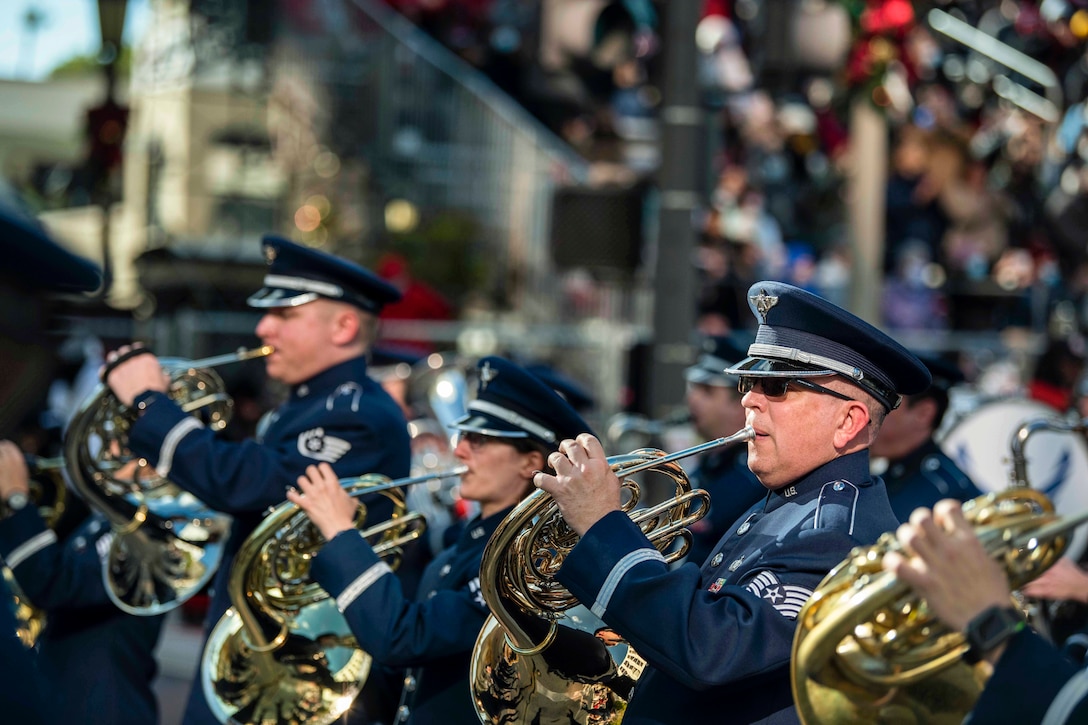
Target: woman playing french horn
{"points": [[510, 428]]}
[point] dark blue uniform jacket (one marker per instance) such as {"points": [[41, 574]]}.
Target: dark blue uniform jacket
{"points": [[23, 696], [436, 633], [100, 658], [718, 638], [339, 416], [733, 490], [1033, 683], [923, 478]]}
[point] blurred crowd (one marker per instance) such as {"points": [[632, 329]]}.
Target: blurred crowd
{"points": [[984, 194]]}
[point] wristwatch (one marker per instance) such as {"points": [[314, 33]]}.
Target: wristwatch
{"points": [[989, 629], [17, 501]]}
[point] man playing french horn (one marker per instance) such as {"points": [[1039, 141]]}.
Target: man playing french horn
{"points": [[319, 317], [508, 431], [717, 639]]}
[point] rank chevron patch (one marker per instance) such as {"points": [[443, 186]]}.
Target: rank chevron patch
{"points": [[786, 598], [315, 444]]}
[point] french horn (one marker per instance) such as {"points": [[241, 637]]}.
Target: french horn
{"points": [[283, 652], [541, 656], [167, 544], [867, 650]]}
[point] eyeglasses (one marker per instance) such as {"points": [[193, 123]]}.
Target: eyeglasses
{"points": [[476, 441], [776, 387]]}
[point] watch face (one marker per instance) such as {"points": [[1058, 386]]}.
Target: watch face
{"points": [[993, 627], [17, 501]]}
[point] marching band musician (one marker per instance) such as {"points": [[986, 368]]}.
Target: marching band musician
{"points": [[103, 656], [968, 591], [320, 316], [35, 269], [817, 384], [918, 471], [505, 437], [714, 404]]}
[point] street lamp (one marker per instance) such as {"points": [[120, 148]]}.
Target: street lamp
{"points": [[111, 21]]}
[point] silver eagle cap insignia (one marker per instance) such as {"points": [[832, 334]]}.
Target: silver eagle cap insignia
{"points": [[763, 302], [487, 374]]}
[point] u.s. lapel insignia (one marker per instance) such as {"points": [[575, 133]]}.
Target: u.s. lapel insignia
{"points": [[487, 374], [269, 253], [763, 302]]}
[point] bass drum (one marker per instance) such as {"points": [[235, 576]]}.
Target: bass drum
{"points": [[1057, 461]]}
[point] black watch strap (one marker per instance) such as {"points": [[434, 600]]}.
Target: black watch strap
{"points": [[989, 629]]}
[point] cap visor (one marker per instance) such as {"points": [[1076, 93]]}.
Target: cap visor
{"points": [[268, 297], [487, 425], [768, 368]]}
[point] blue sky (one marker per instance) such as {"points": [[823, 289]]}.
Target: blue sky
{"points": [[69, 27]]}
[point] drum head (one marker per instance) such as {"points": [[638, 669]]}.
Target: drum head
{"points": [[1057, 461]]}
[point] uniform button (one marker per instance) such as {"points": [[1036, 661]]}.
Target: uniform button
{"points": [[402, 713], [410, 683], [736, 564], [79, 543], [717, 559], [432, 593], [94, 527], [303, 391], [445, 570], [931, 463], [839, 485], [744, 527]]}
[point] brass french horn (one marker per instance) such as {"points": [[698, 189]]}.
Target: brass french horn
{"points": [[867, 650], [541, 656], [283, 652], [167, 544]]}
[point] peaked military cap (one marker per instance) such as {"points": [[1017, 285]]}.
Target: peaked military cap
{"points": [[511, 402], [803, 335], [32, 259], [717, 352], [298, 274], [579, 398]]}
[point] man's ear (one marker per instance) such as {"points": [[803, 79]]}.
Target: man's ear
{"points": [[852, 422], [346, 324]]}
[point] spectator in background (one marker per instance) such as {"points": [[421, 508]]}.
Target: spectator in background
{"points": [[419, 301], [913, 215]]}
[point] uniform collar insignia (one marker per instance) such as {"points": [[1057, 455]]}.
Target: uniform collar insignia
{"points": [[763, 302], [269, 253], [487, 374]]}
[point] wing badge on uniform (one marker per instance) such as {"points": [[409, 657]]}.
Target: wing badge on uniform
{"points": [[786, 598], [315, 444]]}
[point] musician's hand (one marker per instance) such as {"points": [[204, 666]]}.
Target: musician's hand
{"points": [[134, 376], [945, 563], [584, 486], [324, 500], [1064, 580], [14, 476]]}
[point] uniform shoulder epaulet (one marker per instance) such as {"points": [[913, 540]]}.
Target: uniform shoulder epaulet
{"points": [[347, 394], [836, 507]]}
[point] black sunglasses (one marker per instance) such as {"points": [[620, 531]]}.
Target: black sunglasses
{"points": [[476, 441], [776, 387]]}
